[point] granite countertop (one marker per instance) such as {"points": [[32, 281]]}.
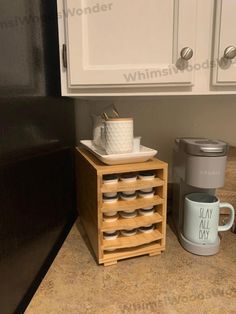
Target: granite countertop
{"points": [[175, 282]]}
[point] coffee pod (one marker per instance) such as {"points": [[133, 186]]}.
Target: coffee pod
{"points": [[146, 194], [110, 179], [128, 215], [129, 177], [128, 197], [129, 192], [110, 236], [110, 214], [110, 199], [111, 218], [110, 194], [129, 232], [148, 190], [146, 229], [146, 211], [146, 175]]}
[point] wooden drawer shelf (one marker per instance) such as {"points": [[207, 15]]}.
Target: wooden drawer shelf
{"points": [[152, 249], [127, 242], [91, 208], [140, 202], [132, 223], [133, 186]]}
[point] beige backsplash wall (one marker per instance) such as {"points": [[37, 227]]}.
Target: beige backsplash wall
{"points": [[160, 120]]}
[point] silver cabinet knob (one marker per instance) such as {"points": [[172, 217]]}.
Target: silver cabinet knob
{"points": [[186, 53], [230, 52]]}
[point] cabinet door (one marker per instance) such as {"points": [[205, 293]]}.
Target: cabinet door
{"points": [[224, 69], [129, 42]]}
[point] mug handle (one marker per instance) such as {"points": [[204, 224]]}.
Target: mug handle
{"points": [[231, 218]]}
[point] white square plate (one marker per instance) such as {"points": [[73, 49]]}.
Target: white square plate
{"points": [[144, 154]]}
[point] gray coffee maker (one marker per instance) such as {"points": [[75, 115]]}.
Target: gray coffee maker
{"points": [[199, 166]]}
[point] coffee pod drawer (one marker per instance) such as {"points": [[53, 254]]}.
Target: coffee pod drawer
{"points": [[138, 221], [124, 242], [122, 208]]}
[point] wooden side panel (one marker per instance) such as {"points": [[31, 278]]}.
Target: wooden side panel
{"points": [[164, 212], [87, 200]]}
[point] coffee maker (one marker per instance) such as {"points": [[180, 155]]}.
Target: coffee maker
{"points": [[199, 166]]}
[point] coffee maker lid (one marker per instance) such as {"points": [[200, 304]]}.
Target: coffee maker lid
{"points": [[202, 146]]}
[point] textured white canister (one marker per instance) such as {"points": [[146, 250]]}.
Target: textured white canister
{"points": [[119, 134]]}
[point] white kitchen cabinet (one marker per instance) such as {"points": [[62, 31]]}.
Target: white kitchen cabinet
{"points": [[224, 73], [132, 42], [147, 47], [129, 42]]}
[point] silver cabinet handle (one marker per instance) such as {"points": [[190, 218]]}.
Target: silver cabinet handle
{"points": [[186, 53], [230, 52]]}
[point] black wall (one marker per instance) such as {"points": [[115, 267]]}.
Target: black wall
{"points": [[29, 55]]}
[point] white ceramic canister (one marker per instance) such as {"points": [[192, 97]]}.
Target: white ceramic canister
{"points": [[136, 144], [119, 134]]}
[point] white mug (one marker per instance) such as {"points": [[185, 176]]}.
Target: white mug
{"points": [[119, 134], [201, 218]]}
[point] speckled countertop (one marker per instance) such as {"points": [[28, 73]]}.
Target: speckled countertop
{"points": [[175, 282]]}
